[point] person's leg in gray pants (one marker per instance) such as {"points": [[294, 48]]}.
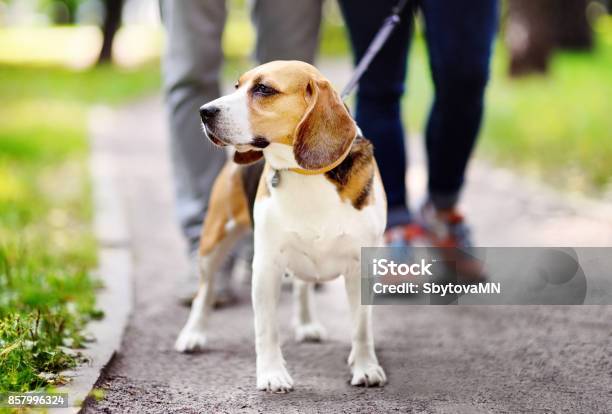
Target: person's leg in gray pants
{"points": [[191, 67], [286, 30]]}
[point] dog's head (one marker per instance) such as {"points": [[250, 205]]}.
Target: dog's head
{"points": [[287, 109]]}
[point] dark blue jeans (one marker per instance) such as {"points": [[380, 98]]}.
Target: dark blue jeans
{"points": [[459, 37]]}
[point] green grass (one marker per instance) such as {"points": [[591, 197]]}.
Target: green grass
{"points": [[47, 248], [106, 84], [557, 126]]}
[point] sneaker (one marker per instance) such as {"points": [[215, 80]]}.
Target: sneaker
{"points": [[401, 239], [403, 235], [447, 230]]}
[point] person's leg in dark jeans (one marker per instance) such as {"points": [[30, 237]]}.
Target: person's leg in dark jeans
{"points": [[459, 37], [459, 40], [378, 111]]}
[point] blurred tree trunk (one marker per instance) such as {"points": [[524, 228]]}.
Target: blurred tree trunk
{"points": [[529, 35], [572, 26], [536, 27], [112, 20]]}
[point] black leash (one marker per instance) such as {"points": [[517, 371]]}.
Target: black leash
{"points": [[377, 43]]}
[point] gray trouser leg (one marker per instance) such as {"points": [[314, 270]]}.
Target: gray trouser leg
{"points": [[286, 29], [192, 61], [191, 66]]}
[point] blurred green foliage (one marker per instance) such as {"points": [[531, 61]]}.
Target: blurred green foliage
{"points": [[61, 11]]}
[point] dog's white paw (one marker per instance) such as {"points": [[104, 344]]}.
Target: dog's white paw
{"points": [[190, 339], [274, 380], [369, 374], [310, 332]]}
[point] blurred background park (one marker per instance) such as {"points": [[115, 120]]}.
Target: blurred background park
{"points": [[548, 115]]}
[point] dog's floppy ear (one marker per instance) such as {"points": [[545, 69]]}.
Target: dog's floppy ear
{"points": [[326, 132], [247, 157]]}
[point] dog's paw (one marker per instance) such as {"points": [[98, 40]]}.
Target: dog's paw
{"points": [[310, 332], [368, 374], [190, 339], [275, 380]]}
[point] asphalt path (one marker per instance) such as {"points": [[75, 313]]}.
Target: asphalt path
{"points": [[453, 359]]}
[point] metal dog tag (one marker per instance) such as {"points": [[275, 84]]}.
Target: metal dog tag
{"points": [[275, 180]]}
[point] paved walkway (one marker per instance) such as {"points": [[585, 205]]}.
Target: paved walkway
{"points": [[438, 359]]}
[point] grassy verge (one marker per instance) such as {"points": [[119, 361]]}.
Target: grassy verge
{"points": [[559, 126], [46, 245]]}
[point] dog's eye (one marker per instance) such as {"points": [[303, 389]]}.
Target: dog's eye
{"points": [[263, 90], [237, 85]]}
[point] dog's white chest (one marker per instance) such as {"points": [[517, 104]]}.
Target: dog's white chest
{"points": [[317, 235]]}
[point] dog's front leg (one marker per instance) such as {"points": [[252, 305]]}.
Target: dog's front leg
{"points": [[271, 372], [362, 359]]}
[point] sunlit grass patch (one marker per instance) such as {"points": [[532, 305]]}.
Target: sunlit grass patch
{"points": [[71, 46], [106, 84], [41, 130], [77, 47], [558, 125]]}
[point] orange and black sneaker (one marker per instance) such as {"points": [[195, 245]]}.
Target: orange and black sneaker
{"points": [[446, 230], [402, 238]]}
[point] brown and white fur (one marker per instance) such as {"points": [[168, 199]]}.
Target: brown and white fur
{"points": [[311, 220]]}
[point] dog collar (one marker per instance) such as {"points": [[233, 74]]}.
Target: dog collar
{"points": [[275, 180], [315, 172]]}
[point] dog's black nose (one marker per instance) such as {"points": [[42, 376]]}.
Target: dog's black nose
{"points": [[207, 113]]}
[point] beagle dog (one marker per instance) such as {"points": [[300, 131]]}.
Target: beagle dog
{"points": [[319, 199]]}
